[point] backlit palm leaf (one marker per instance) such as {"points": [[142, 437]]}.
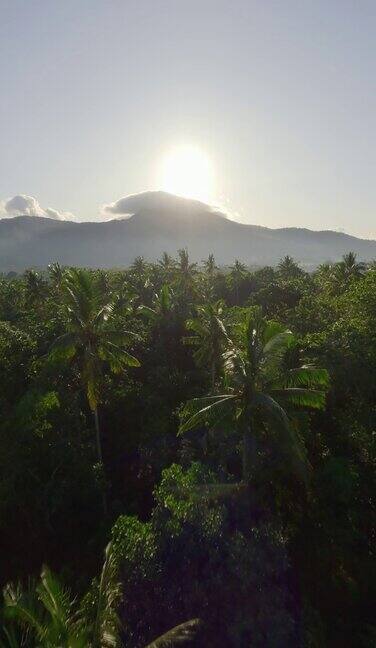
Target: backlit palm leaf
{"points": [[198, 411], [302, 397], [308, 375], [278, 344], [179, 635], [105, 633]]}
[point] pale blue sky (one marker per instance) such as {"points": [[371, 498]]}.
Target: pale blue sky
{"points": [[279, 94]]}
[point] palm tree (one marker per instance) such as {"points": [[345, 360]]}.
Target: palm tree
{"points": [[139, 266], [187, 271], [56, 273], [258, 387], [209, 338], [41, 616], [238, 273], [350, 268], [98, 612], [167, 264], [288, 268], [210, 266], [90, 339], [328, 277], [185, 266], [35, 287], [325, 270], [46, 616], [162, 306], [208, 279], [102, 284], [124, 299], [139, 279]]}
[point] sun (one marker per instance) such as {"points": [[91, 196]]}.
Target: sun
{"points": [[187, 171]]}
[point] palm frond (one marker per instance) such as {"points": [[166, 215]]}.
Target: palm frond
{"points": [[196, 326], [279, 343], [271, 407], [289, 441], [22, 607], [272, 328], [117, 357], [107, 624], [14, 638], [128, 359], [103, 314], [150, 313], [56, 600], [165, 297], [302, 397], [198, 410], [181, 634], [308, 376], [64, 347], [65, 341], [120, 337]]}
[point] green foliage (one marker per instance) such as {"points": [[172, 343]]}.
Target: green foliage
{"points": [[47, 615], [208, 338], [89, 335], [257, 380], [196, 563], [242, 356]]}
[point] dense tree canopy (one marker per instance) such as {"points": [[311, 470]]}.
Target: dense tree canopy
{"points": [[218, 426]]}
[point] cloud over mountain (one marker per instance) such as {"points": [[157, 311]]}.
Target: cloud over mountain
{"points": [[154, 201], [22, 205], [159, 222]]}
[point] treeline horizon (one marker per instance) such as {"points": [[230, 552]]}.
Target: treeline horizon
{"points": [[309, 268], [214, 428]]}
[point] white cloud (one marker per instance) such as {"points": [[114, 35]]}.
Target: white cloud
{"points": [[153, 201], [22, 205]]}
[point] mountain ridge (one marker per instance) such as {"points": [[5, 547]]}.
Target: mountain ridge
{"points": [[165, 225]]}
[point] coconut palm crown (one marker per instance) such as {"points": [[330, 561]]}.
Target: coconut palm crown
{"points": [[91, 338], [260, 388]]}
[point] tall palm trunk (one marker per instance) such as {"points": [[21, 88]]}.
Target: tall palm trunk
{"points": [[100, 456]]}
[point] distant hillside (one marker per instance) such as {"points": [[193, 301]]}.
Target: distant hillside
{"points": [[161, 222]]}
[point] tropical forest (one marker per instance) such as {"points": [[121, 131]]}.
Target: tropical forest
{"points": [[187, 455]]}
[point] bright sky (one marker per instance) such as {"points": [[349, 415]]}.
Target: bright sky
{"points": [[265, 107]]}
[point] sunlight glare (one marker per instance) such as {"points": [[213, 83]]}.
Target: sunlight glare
{"points": [[187, 171]]}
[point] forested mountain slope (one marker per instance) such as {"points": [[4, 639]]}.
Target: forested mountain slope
{"points": [[161, 222]]}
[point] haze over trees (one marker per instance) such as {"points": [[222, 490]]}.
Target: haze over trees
{"points": [[214, 429]]}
